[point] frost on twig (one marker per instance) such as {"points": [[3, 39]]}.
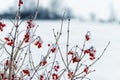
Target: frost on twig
{"points": [[16, 53]]}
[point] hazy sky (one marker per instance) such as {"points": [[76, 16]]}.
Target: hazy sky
{"points": [[80, 7]]}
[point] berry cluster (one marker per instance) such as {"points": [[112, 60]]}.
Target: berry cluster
{"points": [[20, 2], [26, 37], [9, 41], [1, 26]]}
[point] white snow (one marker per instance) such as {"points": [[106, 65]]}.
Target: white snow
{"points": [[108, 67]]}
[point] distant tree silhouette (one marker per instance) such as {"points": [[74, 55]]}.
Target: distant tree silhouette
{"points": [[54, 11]]}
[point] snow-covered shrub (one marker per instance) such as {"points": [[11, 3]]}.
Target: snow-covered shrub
{"points": [[16, 60]]}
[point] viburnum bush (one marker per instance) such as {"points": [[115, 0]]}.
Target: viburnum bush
{"points": [[17, 62]]}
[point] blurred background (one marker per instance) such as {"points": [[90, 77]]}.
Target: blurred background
{"points": [[84, 10], [101, 17]]}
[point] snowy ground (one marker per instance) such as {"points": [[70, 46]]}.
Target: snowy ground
{"points": [[108, 67]]}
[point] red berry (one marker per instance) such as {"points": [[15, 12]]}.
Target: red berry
{"points": [[53, 49], [55, 76], [70, 74], [20, 2], [43, 63], [10, 43], [41, 77], [87, 37], [26, 37], [7, 39], [75, 59], [48, 44], [7, 63], [86, 70], [70, 53], [1, 26], [38, 44], [27, 72]]}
